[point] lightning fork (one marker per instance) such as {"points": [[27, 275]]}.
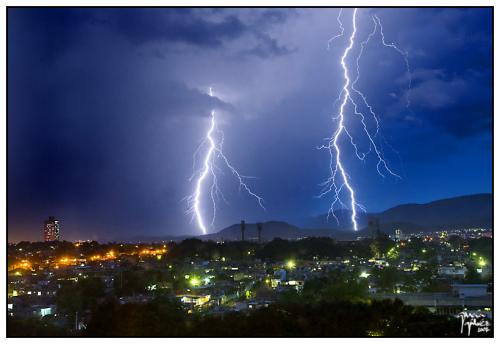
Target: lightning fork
{"points": [[210, 168], [339, 179]]}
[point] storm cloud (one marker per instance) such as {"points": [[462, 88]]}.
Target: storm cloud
{"points": [[107, 106]]}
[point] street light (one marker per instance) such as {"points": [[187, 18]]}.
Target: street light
{"points": [[194, 281], [364, 274]]}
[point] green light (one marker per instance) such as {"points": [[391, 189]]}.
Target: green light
{"points": [[482, 262], [364, 274], [194, 281], [374, 333], [290, 264], [392, 253]]}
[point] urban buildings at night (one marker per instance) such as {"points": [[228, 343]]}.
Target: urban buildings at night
{"points": [[440, 274], [51, 229]]}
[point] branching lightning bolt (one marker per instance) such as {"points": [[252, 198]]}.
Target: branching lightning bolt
{"points": [[215, 141], [339, 179]]}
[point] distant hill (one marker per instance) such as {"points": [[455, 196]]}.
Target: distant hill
{"points": [[154, 238], [458, 212], [270, 230], [343, 217]]}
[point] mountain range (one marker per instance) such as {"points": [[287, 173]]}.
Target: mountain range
{"points": [[463, 211], [452, 213]]}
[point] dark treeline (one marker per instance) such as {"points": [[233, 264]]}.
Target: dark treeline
{"points": [[165, 317], [276, 250], [335, 319]]}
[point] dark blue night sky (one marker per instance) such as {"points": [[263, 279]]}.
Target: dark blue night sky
{"points": [[107, 106]]}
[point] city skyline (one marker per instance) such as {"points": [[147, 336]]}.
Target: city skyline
{"points": [[479, 204], [118, 103]]}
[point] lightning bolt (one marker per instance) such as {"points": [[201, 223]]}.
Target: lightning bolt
{"points": [[338, 181], [214, 138]]}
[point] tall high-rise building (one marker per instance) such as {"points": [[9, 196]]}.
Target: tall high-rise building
{"points": [[51, 229], [398, 234]]}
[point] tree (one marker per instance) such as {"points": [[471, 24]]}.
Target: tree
{"points": [[34, 327], [80, 296], [129, 282], [387, 277], [472, 276], [381, 245], [338, 285], [163, 316]]}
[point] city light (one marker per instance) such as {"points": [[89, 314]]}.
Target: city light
{"points": [[374, 333], [194, 281], [290, 264], [481, 262], [153, 252], [392, 253], [364, 274], [67, 261]]}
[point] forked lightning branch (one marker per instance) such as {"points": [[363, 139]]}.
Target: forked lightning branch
{"points": [[339, 182], [206, 177]]}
